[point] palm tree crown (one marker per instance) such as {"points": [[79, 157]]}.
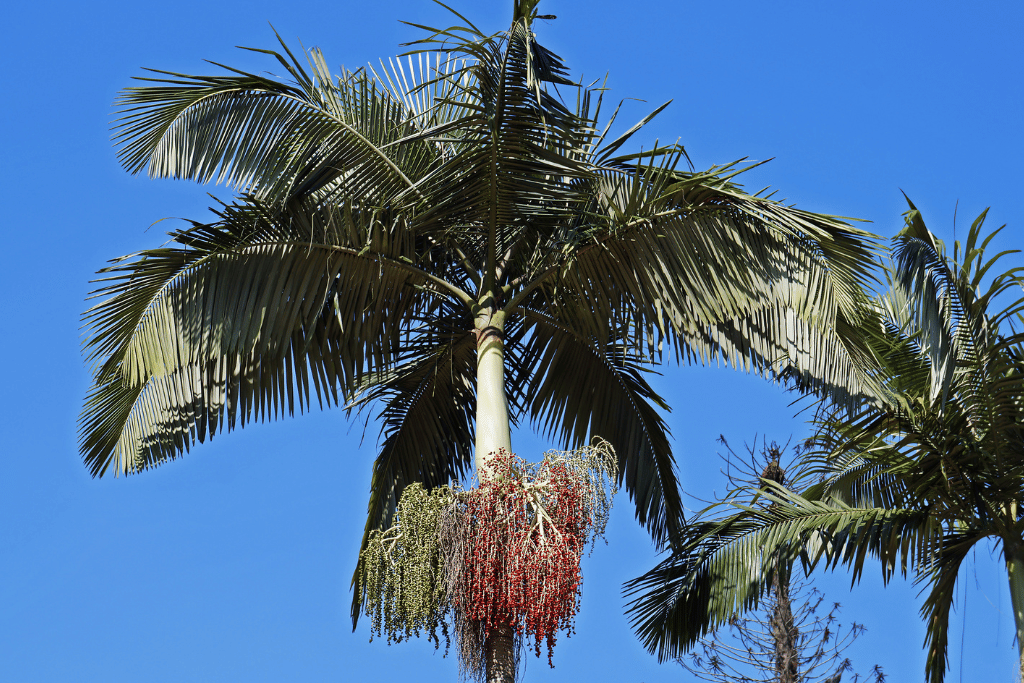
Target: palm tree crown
{"points": [[443, 237]]}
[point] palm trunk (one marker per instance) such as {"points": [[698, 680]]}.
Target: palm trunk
{"points": [[781, 623], [500, 656], [492, 422], [492, 434], [1014, 554], [784, 631]]}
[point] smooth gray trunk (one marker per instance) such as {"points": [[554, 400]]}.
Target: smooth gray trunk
{"points": [[493, 434], [492, 422]]}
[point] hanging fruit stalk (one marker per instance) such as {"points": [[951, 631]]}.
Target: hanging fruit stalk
{"points": [[400, 569], [505, 553]]}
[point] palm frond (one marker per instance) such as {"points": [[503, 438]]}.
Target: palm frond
{"points": [[240, 324], [273, 138], [614, 402], [511, 169], [726, 276], [941, 575], [722, 567]]}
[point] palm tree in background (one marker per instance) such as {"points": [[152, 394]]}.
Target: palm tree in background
{"points": [[794, 635], [928, 469], [444, 238]]}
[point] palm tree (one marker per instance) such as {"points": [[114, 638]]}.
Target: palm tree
{"points": [[443, 237], [790, 637], [929, 468]]}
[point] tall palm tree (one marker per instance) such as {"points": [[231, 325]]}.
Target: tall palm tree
{"points": [[443, 237], [928, 469]]}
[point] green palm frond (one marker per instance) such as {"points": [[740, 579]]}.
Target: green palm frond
{"points": [[721, 567], [932, 464], [615, 403], [941, 576], [277, 138], [509, 175], [948, 304], [726, 277], [240, 324]]}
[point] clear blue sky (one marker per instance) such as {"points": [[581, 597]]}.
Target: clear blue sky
{"points": [[233, 563]]}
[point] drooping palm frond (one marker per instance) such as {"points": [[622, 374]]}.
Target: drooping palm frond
{"points": [[255, 311], [427, 418], [614, 403], [941, 577], [721, 567], [726, 277]]}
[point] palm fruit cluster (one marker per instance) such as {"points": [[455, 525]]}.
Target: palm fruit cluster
{"points": [[504, 554]]}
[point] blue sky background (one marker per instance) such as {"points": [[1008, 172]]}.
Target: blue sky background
{"points": [[233, 563]]}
